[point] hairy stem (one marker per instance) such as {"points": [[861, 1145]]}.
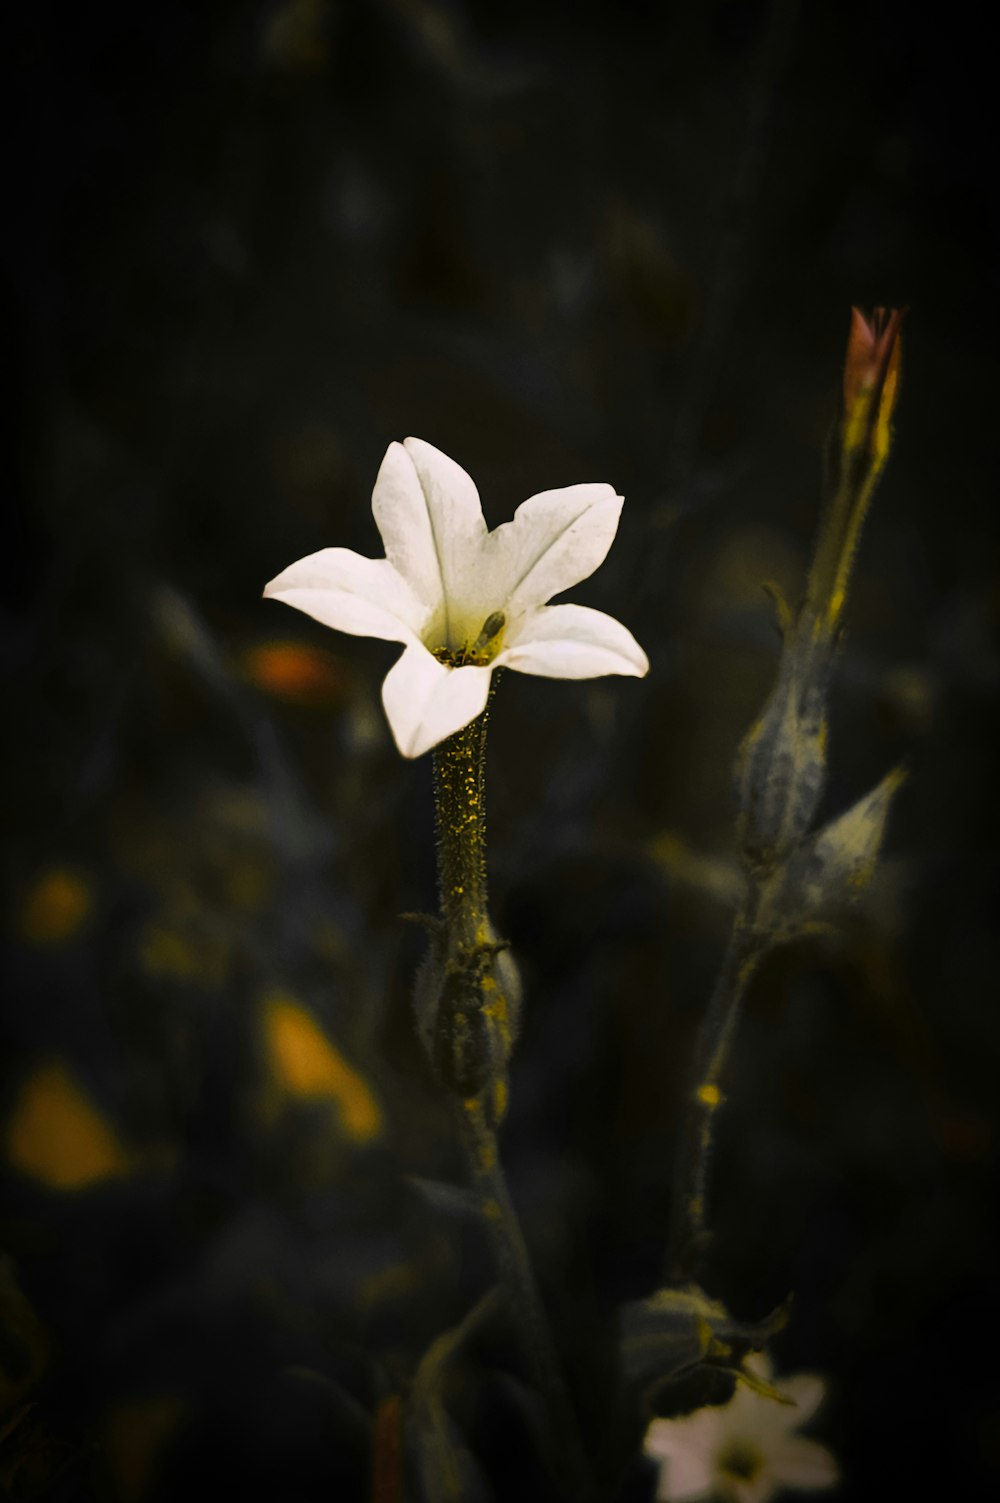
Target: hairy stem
{"points": [[460, 809]]}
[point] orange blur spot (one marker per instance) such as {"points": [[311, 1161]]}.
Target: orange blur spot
{"points": [[56, 1135], [56, 908], [387, 1451], [297, 672], [306, 1064]]}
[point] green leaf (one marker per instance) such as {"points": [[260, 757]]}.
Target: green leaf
{"points": [[681, 1334], [447, 1470]]}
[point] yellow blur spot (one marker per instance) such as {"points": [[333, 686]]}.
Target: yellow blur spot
{"points": [[297, 672], [395, 1282], [181, 952], [134, 1438], [58, 1136], [716, 876], [306, 1064], [709, 1095], [56, 908], [164, 952]]}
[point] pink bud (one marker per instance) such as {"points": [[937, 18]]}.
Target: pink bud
{"points": [[872, 353]]}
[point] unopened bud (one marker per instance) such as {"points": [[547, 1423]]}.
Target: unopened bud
{"points": [[781, 765], [833, 869], [871, 379], [859, 450], [468, 1009], [846, 850]]}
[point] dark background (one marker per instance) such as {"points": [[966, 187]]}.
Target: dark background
{"points": [[247, 246]]}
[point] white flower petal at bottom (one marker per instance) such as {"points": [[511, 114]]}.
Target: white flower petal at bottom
{"points": [[743, 1451], [802, 1463], [682, 1446], [806, 1392], [573, 641], [686, 1478], [364, 597], [426, 702]]}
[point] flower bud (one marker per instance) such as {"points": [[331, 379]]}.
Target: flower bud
{"points": [[473, 1033], [832, 870], [680, 1334], [859, 450], [468, 1008], [781, 766], [871, 380], [846, 850]]}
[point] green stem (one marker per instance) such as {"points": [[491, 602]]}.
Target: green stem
{"points": [[689, 1211], [474, 1032], [524, 1299], [856, 476], [460, 809]]}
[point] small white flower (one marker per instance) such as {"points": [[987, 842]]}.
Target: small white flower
{"points": [[743, 1451], [463, 600]]}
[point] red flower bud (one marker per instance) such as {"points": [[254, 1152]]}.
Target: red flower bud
{"points": [[859, 450], [871, 378]]}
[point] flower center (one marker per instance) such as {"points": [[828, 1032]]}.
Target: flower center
{"points": [[480, 652], [740, 1460]]}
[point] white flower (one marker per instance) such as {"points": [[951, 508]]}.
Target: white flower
{"points": [[743, 1451], [463, 600]]}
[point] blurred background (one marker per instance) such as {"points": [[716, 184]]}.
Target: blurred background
{"points": [[247, 245]]}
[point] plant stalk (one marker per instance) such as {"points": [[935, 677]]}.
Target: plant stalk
{"points": [[689, 1210], [475, 1031]]}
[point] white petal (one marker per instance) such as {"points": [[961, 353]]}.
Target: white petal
{"points": [[798, 1462], [752, 1411], [687, 1476], [362, 596], [426, 702], [806, 1391], [428, 512], [666, 1437], [572, 641], [681, 1446], [556, 539]]}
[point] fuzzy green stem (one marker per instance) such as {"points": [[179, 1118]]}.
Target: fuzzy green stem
{"points": [[837, 544], [689, 1211], [460, 808]]}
